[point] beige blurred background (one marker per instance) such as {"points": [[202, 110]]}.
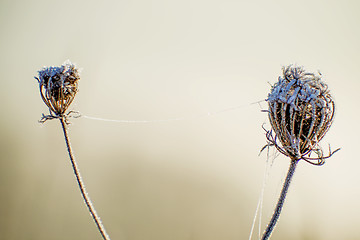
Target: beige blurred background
{"points": [[195, 179]]}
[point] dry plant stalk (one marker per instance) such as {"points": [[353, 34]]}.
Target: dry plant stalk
{"points": [[58, 87], [301, 111]]}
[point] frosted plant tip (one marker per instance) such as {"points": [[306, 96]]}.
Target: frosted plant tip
{"points": [[301, 111], [58, 87]]}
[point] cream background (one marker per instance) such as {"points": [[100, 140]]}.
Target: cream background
{"points": [[199, 178]]}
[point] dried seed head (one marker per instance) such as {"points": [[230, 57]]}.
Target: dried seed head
{"points": [[58, 86], [301, 111]]}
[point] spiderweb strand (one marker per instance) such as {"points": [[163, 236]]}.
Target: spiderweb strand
{"points": [[169, 119], [258, 211], [132, 121]]}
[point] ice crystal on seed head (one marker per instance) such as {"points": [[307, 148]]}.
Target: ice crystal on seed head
{"points": [[58, 86], [301, 111]]}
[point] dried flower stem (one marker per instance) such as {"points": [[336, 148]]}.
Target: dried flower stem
{"points": [[81, 184], [280, 203], [58, 87], [301, 111]]}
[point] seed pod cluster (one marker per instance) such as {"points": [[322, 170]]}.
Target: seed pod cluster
{"points": [[58, 86], [301, 111]]}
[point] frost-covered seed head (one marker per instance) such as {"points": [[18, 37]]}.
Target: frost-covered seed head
{"points": [[301, 111], [58, 86]]}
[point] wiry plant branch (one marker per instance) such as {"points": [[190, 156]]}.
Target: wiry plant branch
{"points": [[58, 87], [81, 184], [280, 203]]}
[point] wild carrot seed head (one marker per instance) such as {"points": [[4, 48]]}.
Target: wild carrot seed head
{"points": [[58, 86], [301, 111]]}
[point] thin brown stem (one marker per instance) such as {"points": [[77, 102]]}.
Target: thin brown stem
{"points": [[81, 184], [280, 203]]}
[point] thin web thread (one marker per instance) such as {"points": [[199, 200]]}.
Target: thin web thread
{"points": [[170, 119], [258, 211]]}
